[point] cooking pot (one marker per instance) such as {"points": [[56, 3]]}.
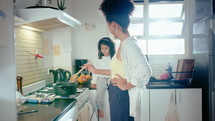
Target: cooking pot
{"points": [[65, 88]]}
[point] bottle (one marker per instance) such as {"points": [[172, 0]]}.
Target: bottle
{"points": [[169, 69], [19, 84]]}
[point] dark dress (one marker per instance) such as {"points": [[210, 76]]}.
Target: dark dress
{"points": [[119, 104]]}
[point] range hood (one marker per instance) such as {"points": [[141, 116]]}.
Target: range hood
{"points": [[46, 19]]}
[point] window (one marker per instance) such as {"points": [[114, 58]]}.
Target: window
{"points": [[164, 28], [165, 46], [159, 27], [136, 29], [165, 10]]}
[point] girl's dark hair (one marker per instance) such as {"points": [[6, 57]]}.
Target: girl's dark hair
{"points": [[117, 11], [106, 41]]}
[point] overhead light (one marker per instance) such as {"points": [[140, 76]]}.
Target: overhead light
{"points": [[31, 28], [35, 15]]}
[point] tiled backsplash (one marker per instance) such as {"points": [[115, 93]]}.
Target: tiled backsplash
{"points": [[159, 69], [31, 69]]}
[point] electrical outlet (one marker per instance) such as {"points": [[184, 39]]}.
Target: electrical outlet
{"points": [[48, 71]]}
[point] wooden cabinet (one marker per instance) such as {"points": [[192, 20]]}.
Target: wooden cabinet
{"points": [[188, 103]]}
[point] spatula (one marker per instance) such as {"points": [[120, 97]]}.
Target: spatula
{"points": [[73, 77]]}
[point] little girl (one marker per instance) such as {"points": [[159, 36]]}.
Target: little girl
{"points": [[101, 71]]}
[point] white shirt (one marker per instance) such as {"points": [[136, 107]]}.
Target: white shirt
{"points": [[103, 63], [138, 72]]}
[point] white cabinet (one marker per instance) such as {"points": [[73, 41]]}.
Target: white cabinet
{"points": [[159, 103], [189, 103], [145, 105], [71, 115]]}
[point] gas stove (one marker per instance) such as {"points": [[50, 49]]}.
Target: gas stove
{"points": [[46, 95]]}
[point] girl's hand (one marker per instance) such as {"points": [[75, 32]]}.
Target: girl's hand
{"points": [[90, 68]]}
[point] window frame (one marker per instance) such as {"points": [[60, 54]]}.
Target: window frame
{"points": [[146, 20]]}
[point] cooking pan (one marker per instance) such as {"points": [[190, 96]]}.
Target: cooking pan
{"points": [[65, 88]]}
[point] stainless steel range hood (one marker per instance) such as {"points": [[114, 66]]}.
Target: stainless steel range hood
{"points": [[46, 19]]}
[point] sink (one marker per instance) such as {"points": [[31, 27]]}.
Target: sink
{"points": [[166, 84], [160, 83]]}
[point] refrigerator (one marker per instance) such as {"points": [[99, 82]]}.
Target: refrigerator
{"points": [[7, 63], [204, 70]]}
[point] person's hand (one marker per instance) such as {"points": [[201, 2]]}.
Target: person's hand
{"points": [[90, 68], [93, 85], [119, 82]]}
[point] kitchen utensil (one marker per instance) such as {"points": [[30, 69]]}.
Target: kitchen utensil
{"points": [[65, 88], [25, 112], [73, 78], [60, 75], [184, 69]]}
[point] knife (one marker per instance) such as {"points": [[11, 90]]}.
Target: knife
{"points": [[25, 112]]}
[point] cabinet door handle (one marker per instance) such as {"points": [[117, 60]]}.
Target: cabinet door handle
{"points": [[179, 96]]}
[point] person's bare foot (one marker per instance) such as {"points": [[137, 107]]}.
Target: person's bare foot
{"points": [[101, 113]]}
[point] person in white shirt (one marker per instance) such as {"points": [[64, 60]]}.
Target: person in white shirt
{"points": [[130, 70], [101, 71]]}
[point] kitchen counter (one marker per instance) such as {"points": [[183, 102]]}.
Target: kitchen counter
{"points": [[47, 112], [169, 84], [157, 84]]}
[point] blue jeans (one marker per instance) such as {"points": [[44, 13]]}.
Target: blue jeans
{"points": [[119, 104]]}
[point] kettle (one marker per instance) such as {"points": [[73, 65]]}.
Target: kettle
{"points": [[60, 75]]}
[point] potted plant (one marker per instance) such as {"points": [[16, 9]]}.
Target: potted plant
{"points": [[61, 4]]}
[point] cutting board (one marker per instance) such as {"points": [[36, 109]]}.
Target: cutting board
{"points": [[184, 69]]}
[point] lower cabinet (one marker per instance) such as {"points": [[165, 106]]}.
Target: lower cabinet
{"points": [[71, 115], [145, 105], [188, 104], [159, 103], [156, 102]]}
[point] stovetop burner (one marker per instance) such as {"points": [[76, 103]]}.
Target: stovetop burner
{"points": [[46, 95]]}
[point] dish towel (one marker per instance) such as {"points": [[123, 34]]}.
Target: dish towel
{"points": [[85, 113], [172, 114]]}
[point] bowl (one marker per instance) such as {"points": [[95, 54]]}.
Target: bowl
{"points": [[84, 83]]}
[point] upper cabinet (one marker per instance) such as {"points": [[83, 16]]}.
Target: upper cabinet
{"points": [[203, 8], [45, 19]]}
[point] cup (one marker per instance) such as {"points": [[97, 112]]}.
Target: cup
{"points": [[189, 81]]}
